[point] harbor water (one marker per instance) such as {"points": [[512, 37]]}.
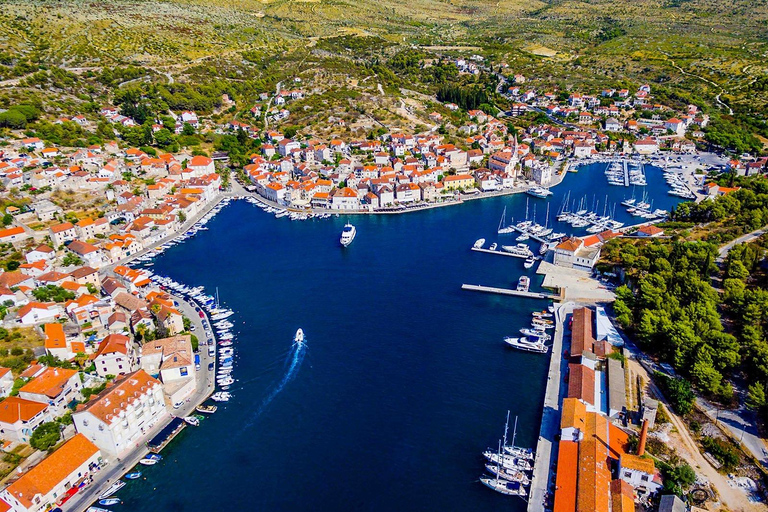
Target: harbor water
{"points": [[404, 378]]}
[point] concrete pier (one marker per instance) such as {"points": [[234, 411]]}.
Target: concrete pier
{"points": [[546, 448], [499, 252], [507, 291]]}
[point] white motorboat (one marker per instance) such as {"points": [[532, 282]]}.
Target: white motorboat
{"points": [[221, 397], [527, 344], [523, 283], [112, 489], [479, 243], [191, 420], [536, 333], [520, 250], [148, 462], [298, 339], [493, 246], [539, 192], [347, 234], [530, 261]]}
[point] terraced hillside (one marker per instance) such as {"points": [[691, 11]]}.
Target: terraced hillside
{"points": [[703, 49]]}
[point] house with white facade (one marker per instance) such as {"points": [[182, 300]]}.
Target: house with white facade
{"points": [[43, 486], [122, 415]]}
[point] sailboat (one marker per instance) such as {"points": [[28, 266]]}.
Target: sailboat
{"points": [[498, 484], [504, 229]]}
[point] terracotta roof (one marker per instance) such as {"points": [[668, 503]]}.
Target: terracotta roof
{"points": [[54, 336], [569, 244], [622, 496], [594, 475], [113, 343], [644, 464], [650, 230], [108, 404], [83, 272], [581, 331], [176, 351], [51, 471], [58, 228], [574, 414], [581, 383], [565, 482], [14, 409], [50, 383]]}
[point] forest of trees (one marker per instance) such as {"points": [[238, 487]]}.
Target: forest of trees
{"points": [[675, 313]]}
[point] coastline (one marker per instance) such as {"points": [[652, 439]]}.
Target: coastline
{"points": [[118, 467]]}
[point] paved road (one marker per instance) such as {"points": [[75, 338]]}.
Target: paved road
{"points": [[741, 423], [546, 448], [723, 251]]}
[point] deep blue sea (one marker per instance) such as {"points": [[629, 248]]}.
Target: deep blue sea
{"points": [[404, 380]]}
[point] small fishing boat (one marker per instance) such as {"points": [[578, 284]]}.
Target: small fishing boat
{"points": [[480, 242], [96, 509], [191, 420], [109, 502], [112, 489], [206, 409], [134, 475]]}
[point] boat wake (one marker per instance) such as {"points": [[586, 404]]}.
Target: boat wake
{"points": [[293, 361]]}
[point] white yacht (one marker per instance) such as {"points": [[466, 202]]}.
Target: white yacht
{"points": [[530, 261], [523, 283], [527, 344], [347, 234]]}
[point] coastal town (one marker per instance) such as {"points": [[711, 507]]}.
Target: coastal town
{"points": [[110, 361]]}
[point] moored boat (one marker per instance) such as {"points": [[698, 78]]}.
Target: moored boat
{"points": [[504, 486], [135, 475], [347, 234], [109, 502], [112, 489], [526, 344]]}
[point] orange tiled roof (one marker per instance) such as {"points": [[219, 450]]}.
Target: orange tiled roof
{"points": [[108, 404], [14, 409], [50, 383], [51, 471], [54, 336], [565, 482]]}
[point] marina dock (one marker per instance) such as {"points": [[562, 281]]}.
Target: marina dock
{"points": [[546, 447], [501, 253], [166, 435], [626, 173], [507, 291]]}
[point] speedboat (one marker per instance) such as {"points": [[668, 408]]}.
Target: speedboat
{"points": [[480, 242], [191, 420], [298, 339], [112, 489], [493, 246], [347, 234], [529, 261], [109, 502], [523, 283]]}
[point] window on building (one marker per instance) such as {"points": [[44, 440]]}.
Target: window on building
{"points": [[644, 478], [627, 474]]}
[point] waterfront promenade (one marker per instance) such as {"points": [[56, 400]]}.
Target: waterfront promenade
{"points": [[116, 468], [546, 448]]}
